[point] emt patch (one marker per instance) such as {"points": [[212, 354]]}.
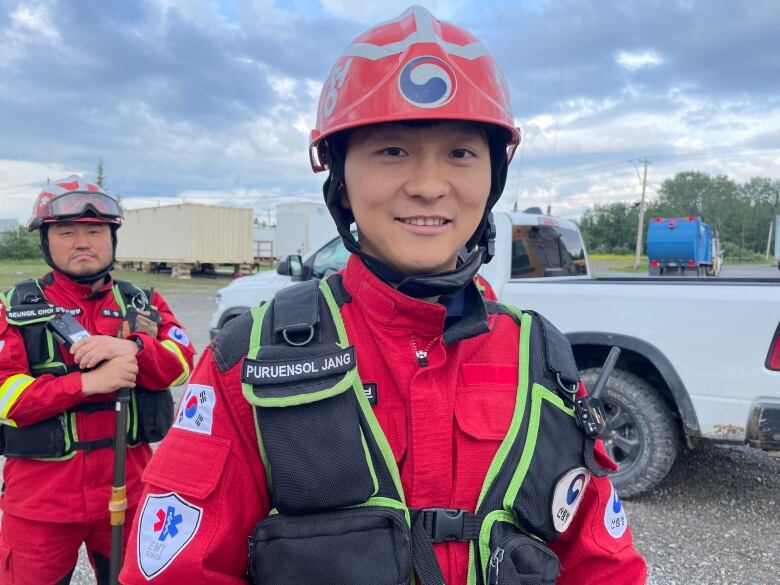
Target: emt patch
{"points": [[615, 519], [178, 335], [168, 524], [261, 372], [567, 497], [196, 409]]}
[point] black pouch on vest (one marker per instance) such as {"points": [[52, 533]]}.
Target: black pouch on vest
{"points": [[155, 414], [356, 546], [518, 559], [311, 428], [555, 429], [44, 439]]}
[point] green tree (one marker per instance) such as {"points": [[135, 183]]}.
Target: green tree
{"points": [[19, 244], [610, 228], [101, 176]]}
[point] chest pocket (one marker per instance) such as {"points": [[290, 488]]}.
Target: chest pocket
{"points": [[485, 400]]}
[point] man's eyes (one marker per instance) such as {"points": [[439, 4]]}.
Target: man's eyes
{"points": [[393, 151]]}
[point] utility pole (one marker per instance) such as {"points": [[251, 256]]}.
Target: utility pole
{"points": [[641, 225]]}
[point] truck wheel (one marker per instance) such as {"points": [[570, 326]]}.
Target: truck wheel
{"points": [[643, 439]]}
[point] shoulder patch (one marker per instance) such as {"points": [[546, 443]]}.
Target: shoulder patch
{"points": [[615, 519], [196, 409], [179, 335], [567, 497], [168, 524]]}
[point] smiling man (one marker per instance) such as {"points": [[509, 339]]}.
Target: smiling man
{"points": [[57, 400], [388, 423]]}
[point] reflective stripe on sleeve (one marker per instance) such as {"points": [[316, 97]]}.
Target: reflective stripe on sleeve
{"points": [[173, 348], [10, 391]]}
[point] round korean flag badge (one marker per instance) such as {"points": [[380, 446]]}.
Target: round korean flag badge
{"points": [[567, 497], [615, 520], [178, 335]]}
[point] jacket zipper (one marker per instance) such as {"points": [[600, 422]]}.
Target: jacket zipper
{"points": [[422, 354]]}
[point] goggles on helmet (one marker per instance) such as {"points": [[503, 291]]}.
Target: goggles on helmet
{"points": [[78, 203]]}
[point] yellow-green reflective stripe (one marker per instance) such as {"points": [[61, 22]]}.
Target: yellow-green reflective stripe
{"points": [[365, 407], [10, 391], [172, 347], [526, 322], [119, 300], [258, 315]]}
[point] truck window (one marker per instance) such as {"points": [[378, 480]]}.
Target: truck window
{"points": [[542, 250], [331, 258]]}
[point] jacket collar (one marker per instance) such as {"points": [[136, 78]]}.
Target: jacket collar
{"points": [[388, 308], [81, 291]]}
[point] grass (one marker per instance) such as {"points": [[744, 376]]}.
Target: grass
{"points": [[13, 271], [617, 258]]}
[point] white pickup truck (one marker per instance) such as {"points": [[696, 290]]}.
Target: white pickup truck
{"points": [[700, 357]]}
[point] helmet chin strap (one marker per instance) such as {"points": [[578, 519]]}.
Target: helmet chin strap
{"points": [[83, 278]]}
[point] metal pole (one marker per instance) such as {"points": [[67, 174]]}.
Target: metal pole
{"points": [[769, 239], [641, 225], [118, 502]]}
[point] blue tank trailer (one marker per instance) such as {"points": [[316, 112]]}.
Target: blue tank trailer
{"points": [[680, 246]]}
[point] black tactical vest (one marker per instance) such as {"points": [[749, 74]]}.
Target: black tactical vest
{"points": [[338, 510], [150, 414]]}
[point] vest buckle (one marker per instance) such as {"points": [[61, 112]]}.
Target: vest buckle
{"points": [[444, 524]]}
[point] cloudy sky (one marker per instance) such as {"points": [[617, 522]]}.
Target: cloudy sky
{"points": [[212, 100]]}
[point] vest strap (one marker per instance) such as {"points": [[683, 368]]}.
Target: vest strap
{"points": [[297, 312], [89, 407], [424, 560], [89, 446]]}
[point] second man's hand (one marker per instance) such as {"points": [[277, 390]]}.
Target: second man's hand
{"points": [[110, 376], [89, 352]]}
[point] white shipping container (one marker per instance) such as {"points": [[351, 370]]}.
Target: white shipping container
{"points": [[264, 241], [187, 233], [299, 226]]}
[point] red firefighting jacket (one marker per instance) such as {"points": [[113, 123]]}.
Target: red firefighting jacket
{"points": [[444, 423], [78, 489]]}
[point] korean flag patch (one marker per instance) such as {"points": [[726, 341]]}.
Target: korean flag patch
{"points": [[196, 409], [168, 524], [179, 335]]}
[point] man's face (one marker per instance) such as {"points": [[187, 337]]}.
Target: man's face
{"points": [[417, 193], [80, 248]]}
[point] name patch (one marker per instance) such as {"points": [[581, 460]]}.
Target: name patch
{"points": [[370, 390], [260, 372], [111, 313], [30, 312], [75, 311]]}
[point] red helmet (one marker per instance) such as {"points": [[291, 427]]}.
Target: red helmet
{"points": [[73, 199], [410, 68]]}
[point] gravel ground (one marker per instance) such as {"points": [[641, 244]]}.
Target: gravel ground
{"points": [[714, 521]]}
